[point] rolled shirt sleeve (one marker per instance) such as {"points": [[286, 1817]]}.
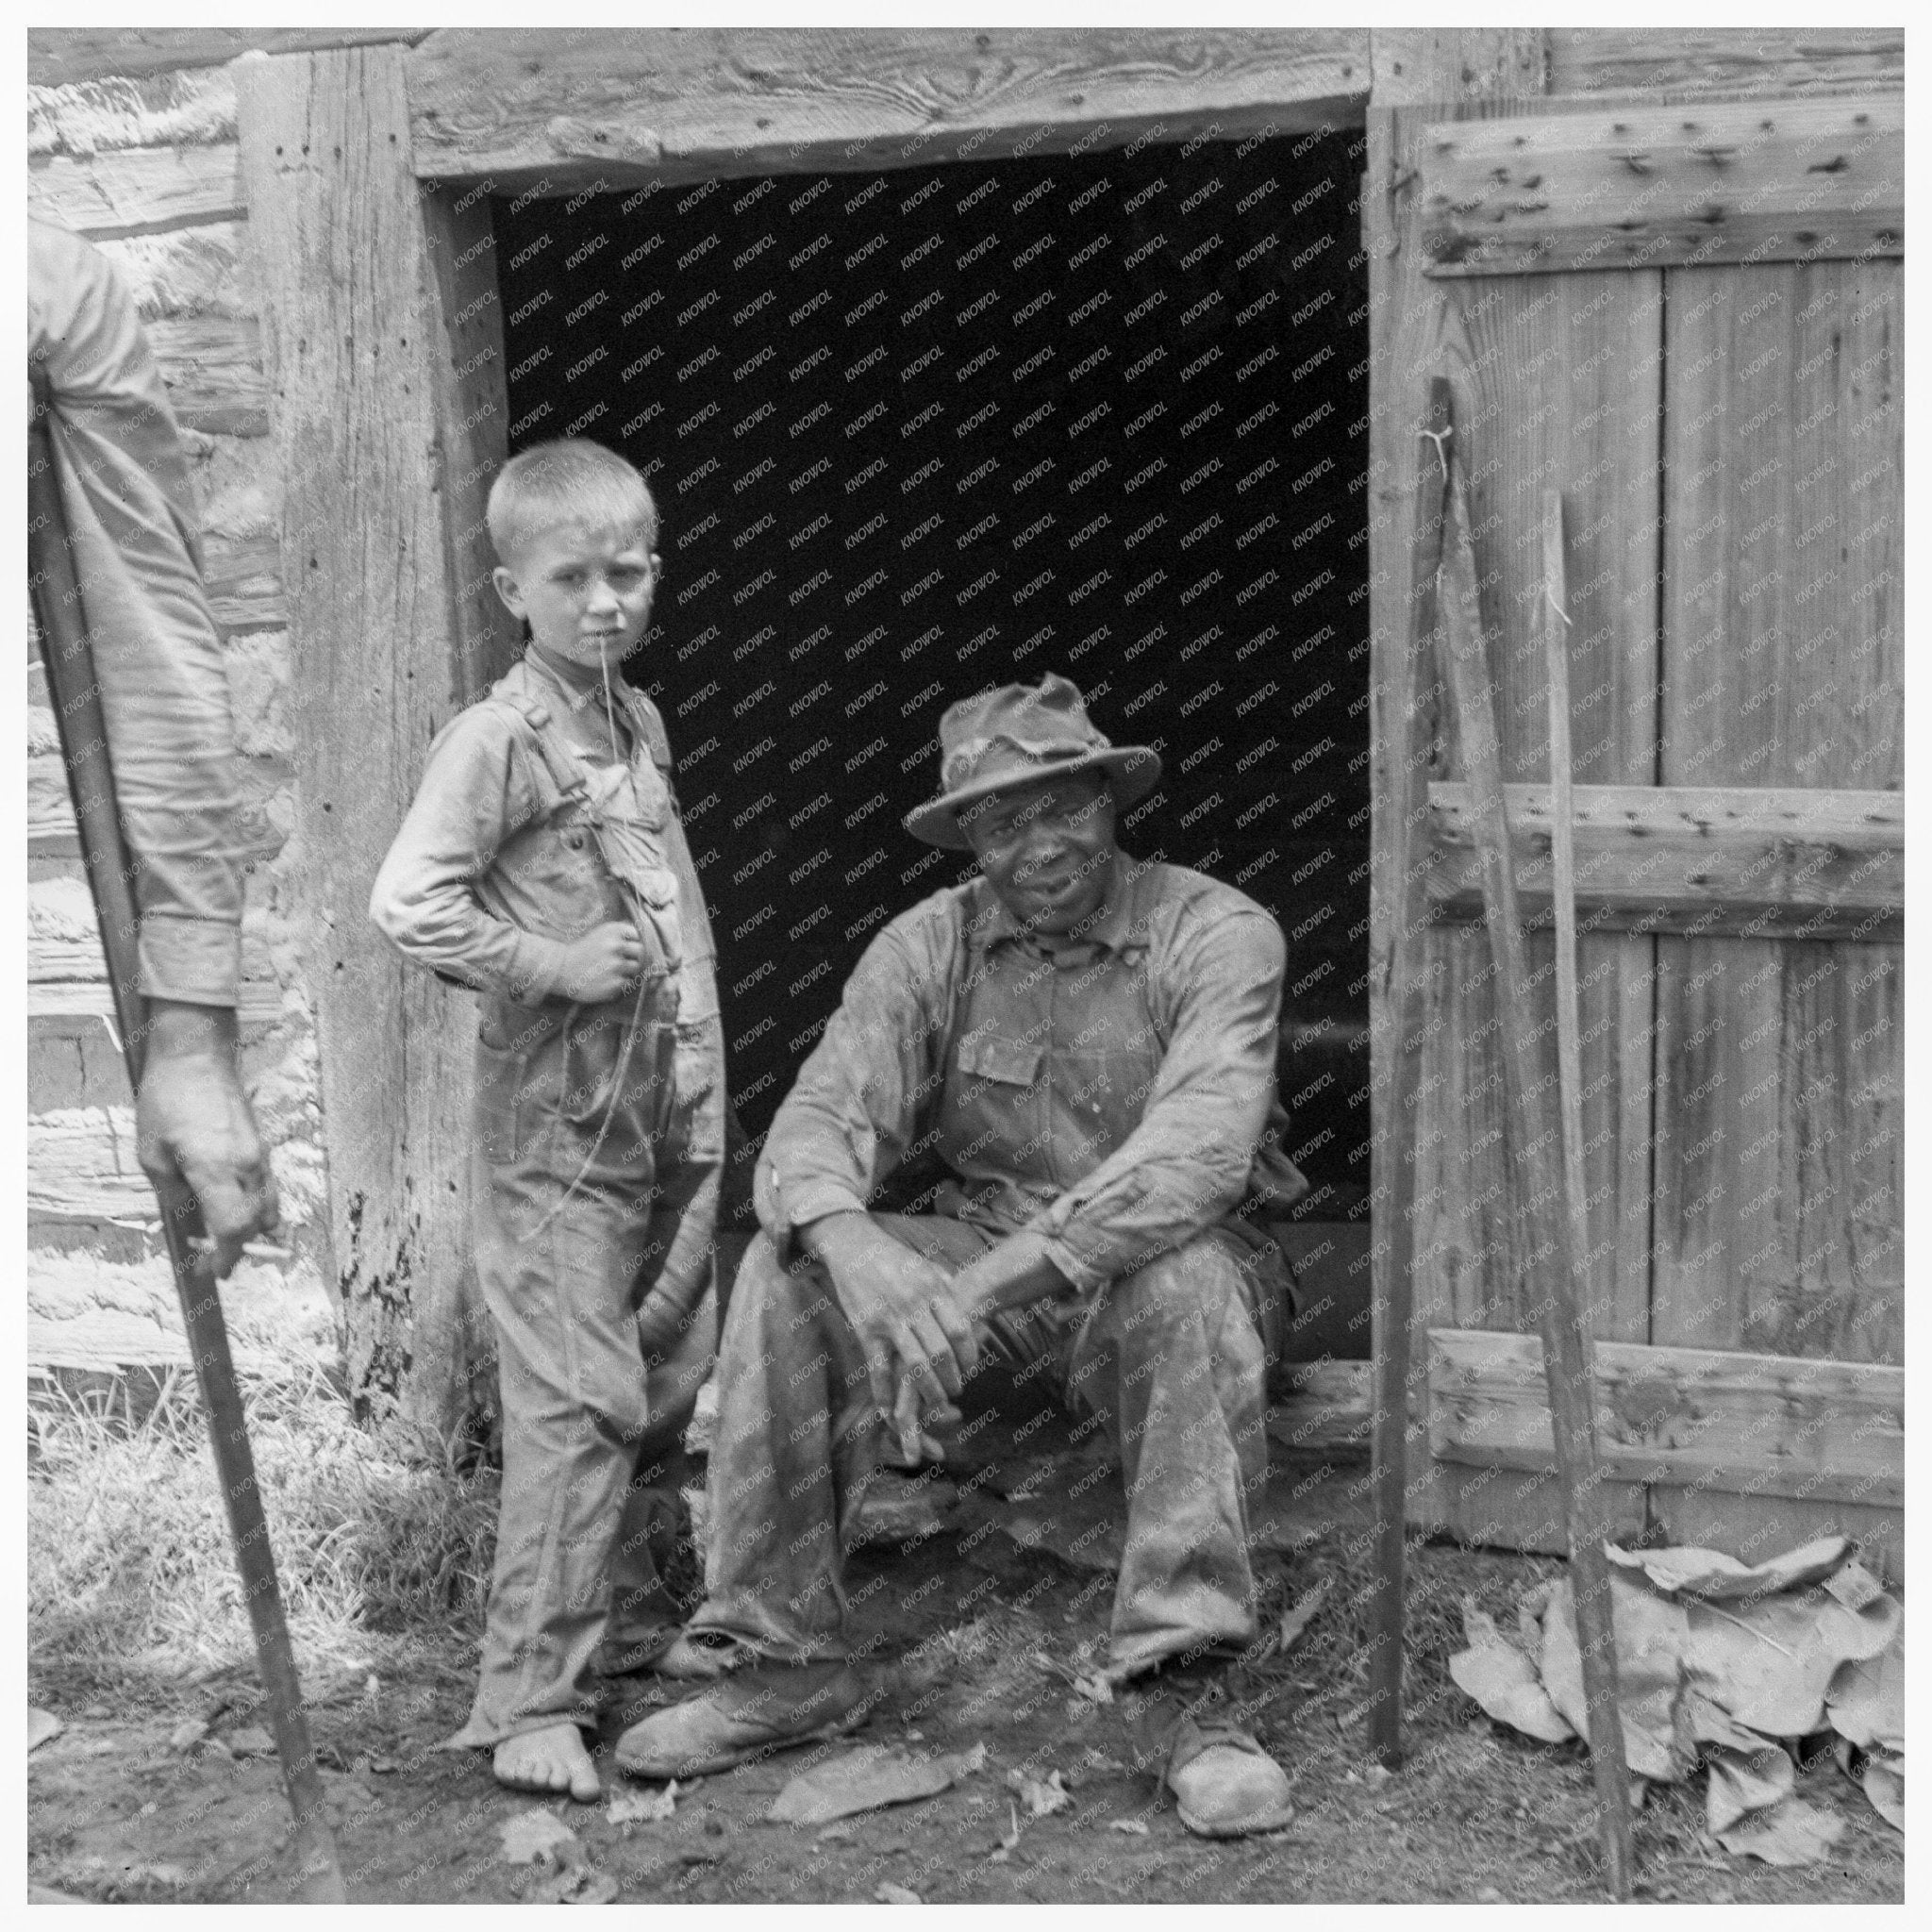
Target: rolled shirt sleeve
{"points": [[1186, 1166], [476, 791], [847, 1122], [129, 510]]}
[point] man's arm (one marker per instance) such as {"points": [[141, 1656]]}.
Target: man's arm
{"points": [[130, 516]]}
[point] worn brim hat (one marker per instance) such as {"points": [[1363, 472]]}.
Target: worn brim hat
{"points": [[1017, 736]]}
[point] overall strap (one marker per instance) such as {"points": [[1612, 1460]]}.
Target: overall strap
{"points": [[557, 774]]}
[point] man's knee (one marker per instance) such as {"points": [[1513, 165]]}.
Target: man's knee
{"points": [[1196, 1281], [768, 1297]]}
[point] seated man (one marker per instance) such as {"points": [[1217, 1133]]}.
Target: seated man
{"points": [[1088, 1044]]}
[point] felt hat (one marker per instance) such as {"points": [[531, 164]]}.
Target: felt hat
{"points": [[1016, 736]]}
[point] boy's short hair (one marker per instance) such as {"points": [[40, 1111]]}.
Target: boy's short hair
{"points": [[570, 480]]}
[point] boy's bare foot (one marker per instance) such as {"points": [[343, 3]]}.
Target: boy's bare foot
{"points": [[552, 1759]]}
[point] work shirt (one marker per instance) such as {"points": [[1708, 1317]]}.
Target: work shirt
{"points": [[1113, 1095], [131, 522], [518, 843]]}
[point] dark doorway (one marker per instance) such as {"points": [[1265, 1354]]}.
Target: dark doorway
{"points": [[920, 432]]}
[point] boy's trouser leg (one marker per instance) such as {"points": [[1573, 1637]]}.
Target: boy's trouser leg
{"points": [[559, 1274], [796, 1444], [1174, 1367]]}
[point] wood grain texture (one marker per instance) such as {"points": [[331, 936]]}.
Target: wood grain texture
{"points": [[1657, 186], [563, 106], [1708, 860], [212, 365], [59, 57], [1744, 60], [1780, 1065], [1484, 73], [359, 348], [1726, 1420], [147, 191]]}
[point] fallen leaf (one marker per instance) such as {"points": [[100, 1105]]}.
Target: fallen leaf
{"points": [[890, 1894], [1041, 1797], [573, 1883], [635, 1807], [1742, 1782], [1504, 1681], [1884, 1784], [529, 1835], [251, 1740], [1791, 1833], [1301, 1613], [1138, 1827], [190, 1732], [40, 1726], [1010, 1837], [860, 1780]]}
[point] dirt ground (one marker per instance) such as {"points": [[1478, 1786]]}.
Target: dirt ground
{"points": [[984, 1638]]}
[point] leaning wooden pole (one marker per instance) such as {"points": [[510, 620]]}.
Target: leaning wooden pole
{"points": [[1392, 1312], [82, 726], [1555, 626], [1536, 1131]]}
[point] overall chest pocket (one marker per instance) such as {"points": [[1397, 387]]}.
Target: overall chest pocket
{"points": [[992, 1098]]}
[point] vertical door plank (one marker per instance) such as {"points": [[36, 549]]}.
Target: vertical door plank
{"points": [[1779, 1063]]}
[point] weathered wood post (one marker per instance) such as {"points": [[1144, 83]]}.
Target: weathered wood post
{"points": [[384, 346]]}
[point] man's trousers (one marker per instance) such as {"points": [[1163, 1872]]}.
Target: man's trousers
{"points": [[1167, 1359]]}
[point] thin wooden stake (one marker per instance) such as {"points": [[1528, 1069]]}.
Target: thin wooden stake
{"points": [[1392, 1310], [1555, 627], [1537, 1136]]}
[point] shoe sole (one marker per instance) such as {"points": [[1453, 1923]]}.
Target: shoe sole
{"points": [[730, 1759], [1247, 1827]]}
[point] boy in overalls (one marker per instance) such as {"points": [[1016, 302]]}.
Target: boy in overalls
{"points": [[543, 863]]}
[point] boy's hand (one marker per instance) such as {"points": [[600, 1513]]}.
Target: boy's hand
{"points": [[601, 964]]}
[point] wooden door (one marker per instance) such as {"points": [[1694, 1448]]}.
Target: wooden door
{"points": [[1689, 324]]}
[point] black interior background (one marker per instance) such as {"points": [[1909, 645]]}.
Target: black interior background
{"points": [[917, 433]]}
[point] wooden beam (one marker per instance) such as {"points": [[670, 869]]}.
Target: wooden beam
{"points": [[559, 110], [1644, 187], [1723, 60], [143, 190], [1721, 1420], [58, 57], [1481, 72], [383, 489], [1693, 858]]}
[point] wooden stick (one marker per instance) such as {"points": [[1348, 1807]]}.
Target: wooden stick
{"points": [[78, 716], [1555, 627], [1392, 1312], [1537, 1137]]}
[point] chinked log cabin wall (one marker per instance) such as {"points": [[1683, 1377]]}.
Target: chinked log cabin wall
{"points": [[1733, 622]]}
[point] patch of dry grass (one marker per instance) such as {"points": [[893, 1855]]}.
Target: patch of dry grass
{"points": [[131, 1573]]}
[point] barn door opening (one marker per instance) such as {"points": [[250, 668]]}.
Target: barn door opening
{"points": [[920, 431]]}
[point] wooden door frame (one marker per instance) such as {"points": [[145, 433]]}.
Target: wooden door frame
{"points": [[395, 627]]}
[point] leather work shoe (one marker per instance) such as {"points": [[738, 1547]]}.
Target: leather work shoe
{"points": [[695, 1660], [1225, 1784], [746, 1715]]}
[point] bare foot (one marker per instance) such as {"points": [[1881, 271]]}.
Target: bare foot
{"points": [[552, 1759]]}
